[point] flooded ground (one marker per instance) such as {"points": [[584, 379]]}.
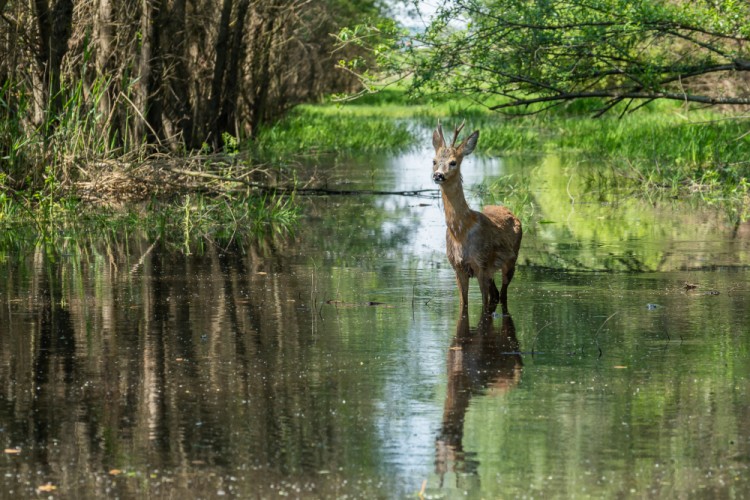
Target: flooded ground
{"points": [[335, 364]]}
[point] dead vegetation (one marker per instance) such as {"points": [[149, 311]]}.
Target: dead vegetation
{"points": [[117, 182], [99, 79]]}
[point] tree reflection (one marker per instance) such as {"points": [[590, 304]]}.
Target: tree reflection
{"points": [[187, 363]]}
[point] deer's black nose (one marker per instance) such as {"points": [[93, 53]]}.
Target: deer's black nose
{"points": [[438, 177]]}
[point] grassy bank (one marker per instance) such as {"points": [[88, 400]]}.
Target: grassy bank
{"points": [[53, 187], [661, 151], [661, 148], [312, 130]]}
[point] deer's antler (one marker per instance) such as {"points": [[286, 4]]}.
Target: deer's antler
{"points": [[456, 132], [440, 130]]}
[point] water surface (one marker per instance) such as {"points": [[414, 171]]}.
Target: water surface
{"points": [[335, 363]]}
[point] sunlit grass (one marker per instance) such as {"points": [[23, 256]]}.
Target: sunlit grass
{"points": [[661, 147], [333, 129]]}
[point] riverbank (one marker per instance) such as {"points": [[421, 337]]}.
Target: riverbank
{"points": [[661, 150]]}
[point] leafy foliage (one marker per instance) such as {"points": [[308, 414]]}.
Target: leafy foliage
{"points": [[519, 52]]}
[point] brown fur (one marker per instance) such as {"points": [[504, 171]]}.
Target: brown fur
{"points": [[478, 244]]}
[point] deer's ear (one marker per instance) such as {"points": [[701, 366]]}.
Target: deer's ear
{"points": [[468, 145], [438, 141]]}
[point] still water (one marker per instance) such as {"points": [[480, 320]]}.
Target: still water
{"points": [[334, 364]]}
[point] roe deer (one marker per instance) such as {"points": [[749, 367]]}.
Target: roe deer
{"points": [[478, 243]]}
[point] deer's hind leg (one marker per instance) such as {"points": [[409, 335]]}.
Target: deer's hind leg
{"points": [[509, 269], [490, 295], [494, 293]]}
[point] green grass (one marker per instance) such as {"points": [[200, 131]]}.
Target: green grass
{"points": [[700, 153], [190, 222], [660, 149], [333, 128]]}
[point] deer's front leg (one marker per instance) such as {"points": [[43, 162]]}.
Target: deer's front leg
{"points": [[462, 280], [494, 294]]}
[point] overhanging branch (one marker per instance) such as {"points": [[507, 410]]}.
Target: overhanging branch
{"points": [[702, 99]]}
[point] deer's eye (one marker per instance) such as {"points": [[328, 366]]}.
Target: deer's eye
{"points": [[434, 163], [452, 163]]}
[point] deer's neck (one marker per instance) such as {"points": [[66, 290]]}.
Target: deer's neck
{"points": [[458, 216]]}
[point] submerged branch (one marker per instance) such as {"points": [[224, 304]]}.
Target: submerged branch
{"points": [[143, 257], [420, 193], [427, 193], [110, 182]]}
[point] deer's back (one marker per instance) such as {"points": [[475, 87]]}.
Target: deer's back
{"points": [[508, 233]]}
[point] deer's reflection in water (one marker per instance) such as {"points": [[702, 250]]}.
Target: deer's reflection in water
{"points": [[482, 360]]}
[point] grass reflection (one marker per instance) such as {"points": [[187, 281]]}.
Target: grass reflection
{"points": [[572, 224]]}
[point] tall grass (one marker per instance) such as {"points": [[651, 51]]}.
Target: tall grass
{"points": [[691, 145], [64, 142], [40, 166], [17, 142], [332, 129]]}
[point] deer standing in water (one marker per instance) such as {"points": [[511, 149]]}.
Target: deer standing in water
{"points": [[478, 243]]}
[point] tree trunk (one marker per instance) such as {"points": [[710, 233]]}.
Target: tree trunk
{"points": [[144, 73], [227, 113], [44, 27], [217, 84], [149, 98], [55, 27], [176, 31], [156, 94], [104, 37], [263, 39]]}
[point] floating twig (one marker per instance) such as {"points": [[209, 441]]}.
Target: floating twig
{"points": [[143, 257], [533, 343], [596, 335]]}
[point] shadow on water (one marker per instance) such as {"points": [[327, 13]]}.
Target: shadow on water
{"points": [[336, 364]]}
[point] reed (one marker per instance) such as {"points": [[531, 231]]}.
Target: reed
{"points": [[49, 170]]}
